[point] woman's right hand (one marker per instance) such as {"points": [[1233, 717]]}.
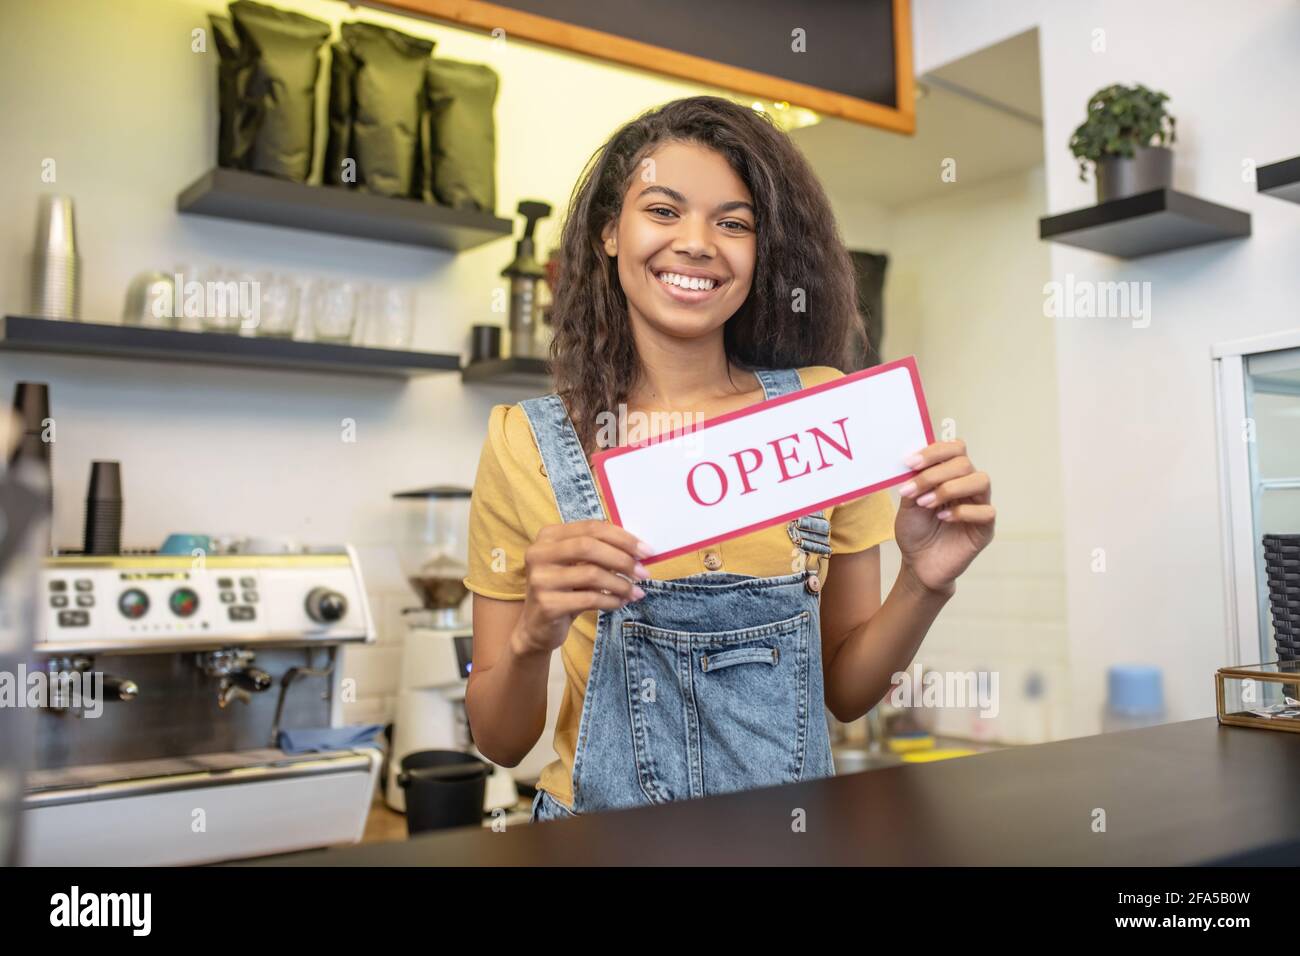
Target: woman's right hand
{"points": [[571, 568]]}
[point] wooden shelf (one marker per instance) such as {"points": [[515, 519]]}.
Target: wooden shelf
{"points": [[250, 197], [1146, 224], [24, 334], [1281, 180], [515, 372]]}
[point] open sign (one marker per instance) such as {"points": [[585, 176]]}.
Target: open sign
{"points": [[770, 462], [781, 455]]}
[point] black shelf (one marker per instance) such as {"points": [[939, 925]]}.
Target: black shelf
{"points": [[250, 197], [1280, 180], [24, 334], [1146, 224], [514, 372]]}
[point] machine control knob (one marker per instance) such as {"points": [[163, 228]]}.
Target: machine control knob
{"points": [[326, 606], [133, 603], [120, 688]]}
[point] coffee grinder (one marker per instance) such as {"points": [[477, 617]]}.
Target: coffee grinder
{"points": [[432, 543]]}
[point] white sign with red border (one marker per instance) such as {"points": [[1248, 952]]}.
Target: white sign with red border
{"points": [[768, 463]]}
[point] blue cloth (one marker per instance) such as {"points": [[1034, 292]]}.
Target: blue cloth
{"points": [[314, 739]]}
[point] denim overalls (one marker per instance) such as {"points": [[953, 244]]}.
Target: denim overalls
{"points": [[710, 683]]}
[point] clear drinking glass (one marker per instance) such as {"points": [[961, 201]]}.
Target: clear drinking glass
{"points": [[191, 279], [216, 302], [304, 328], [278, 296], [334, 310], [365, 314], [392, 315]]}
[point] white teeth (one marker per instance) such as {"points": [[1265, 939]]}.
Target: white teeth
{"points": [[672, 278], [686, 282]]}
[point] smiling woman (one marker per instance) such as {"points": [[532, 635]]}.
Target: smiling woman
{"points": [[701, 273]]}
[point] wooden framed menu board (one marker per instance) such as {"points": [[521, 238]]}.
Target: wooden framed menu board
{"points": [[845, 58]]}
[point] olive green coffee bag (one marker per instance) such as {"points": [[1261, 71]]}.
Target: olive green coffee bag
{"points": [[384, 70], [281, 51], [460, 153], [338, 147], [235, 130]]}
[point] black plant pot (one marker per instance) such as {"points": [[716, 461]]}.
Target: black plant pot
{"points": [[1150, 167]]}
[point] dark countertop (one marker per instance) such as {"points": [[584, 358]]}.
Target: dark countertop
{"points": [[1183, 793]]}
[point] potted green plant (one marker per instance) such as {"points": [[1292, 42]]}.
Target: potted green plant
{"points": [[1125, 137]]}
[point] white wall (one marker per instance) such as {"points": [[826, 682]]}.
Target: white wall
{"points": [[1136, 414], [864, 225], [112, 92]]}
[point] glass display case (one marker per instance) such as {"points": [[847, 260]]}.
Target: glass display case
{"points": [[1257, 383], [1260, 695]]}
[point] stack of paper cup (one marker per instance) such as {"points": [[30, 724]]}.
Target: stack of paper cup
{"points": [[56, 267]]}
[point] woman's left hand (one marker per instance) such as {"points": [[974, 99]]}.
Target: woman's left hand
{"points": [[944, 517]]}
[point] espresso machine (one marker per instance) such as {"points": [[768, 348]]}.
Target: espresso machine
{"points": [[432, 541], [170, 677]]}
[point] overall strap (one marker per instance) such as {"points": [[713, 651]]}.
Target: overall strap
{"points": [[778, 381], [566, 465]]}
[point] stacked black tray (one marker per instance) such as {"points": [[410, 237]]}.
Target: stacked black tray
{"points": [[1282, 565]]}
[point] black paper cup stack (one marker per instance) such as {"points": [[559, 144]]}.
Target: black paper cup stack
{"points": [[1282, 566], [104, 509]]}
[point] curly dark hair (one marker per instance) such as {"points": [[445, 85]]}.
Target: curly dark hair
{"points": [[593, 355]]}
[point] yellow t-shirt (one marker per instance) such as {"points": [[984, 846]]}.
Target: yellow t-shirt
{"points": [[512, 500]]}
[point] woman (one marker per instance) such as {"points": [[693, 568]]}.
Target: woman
{"points": [[701, 273]]}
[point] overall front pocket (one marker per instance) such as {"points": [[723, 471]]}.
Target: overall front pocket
{"points": [[718, 711]]}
